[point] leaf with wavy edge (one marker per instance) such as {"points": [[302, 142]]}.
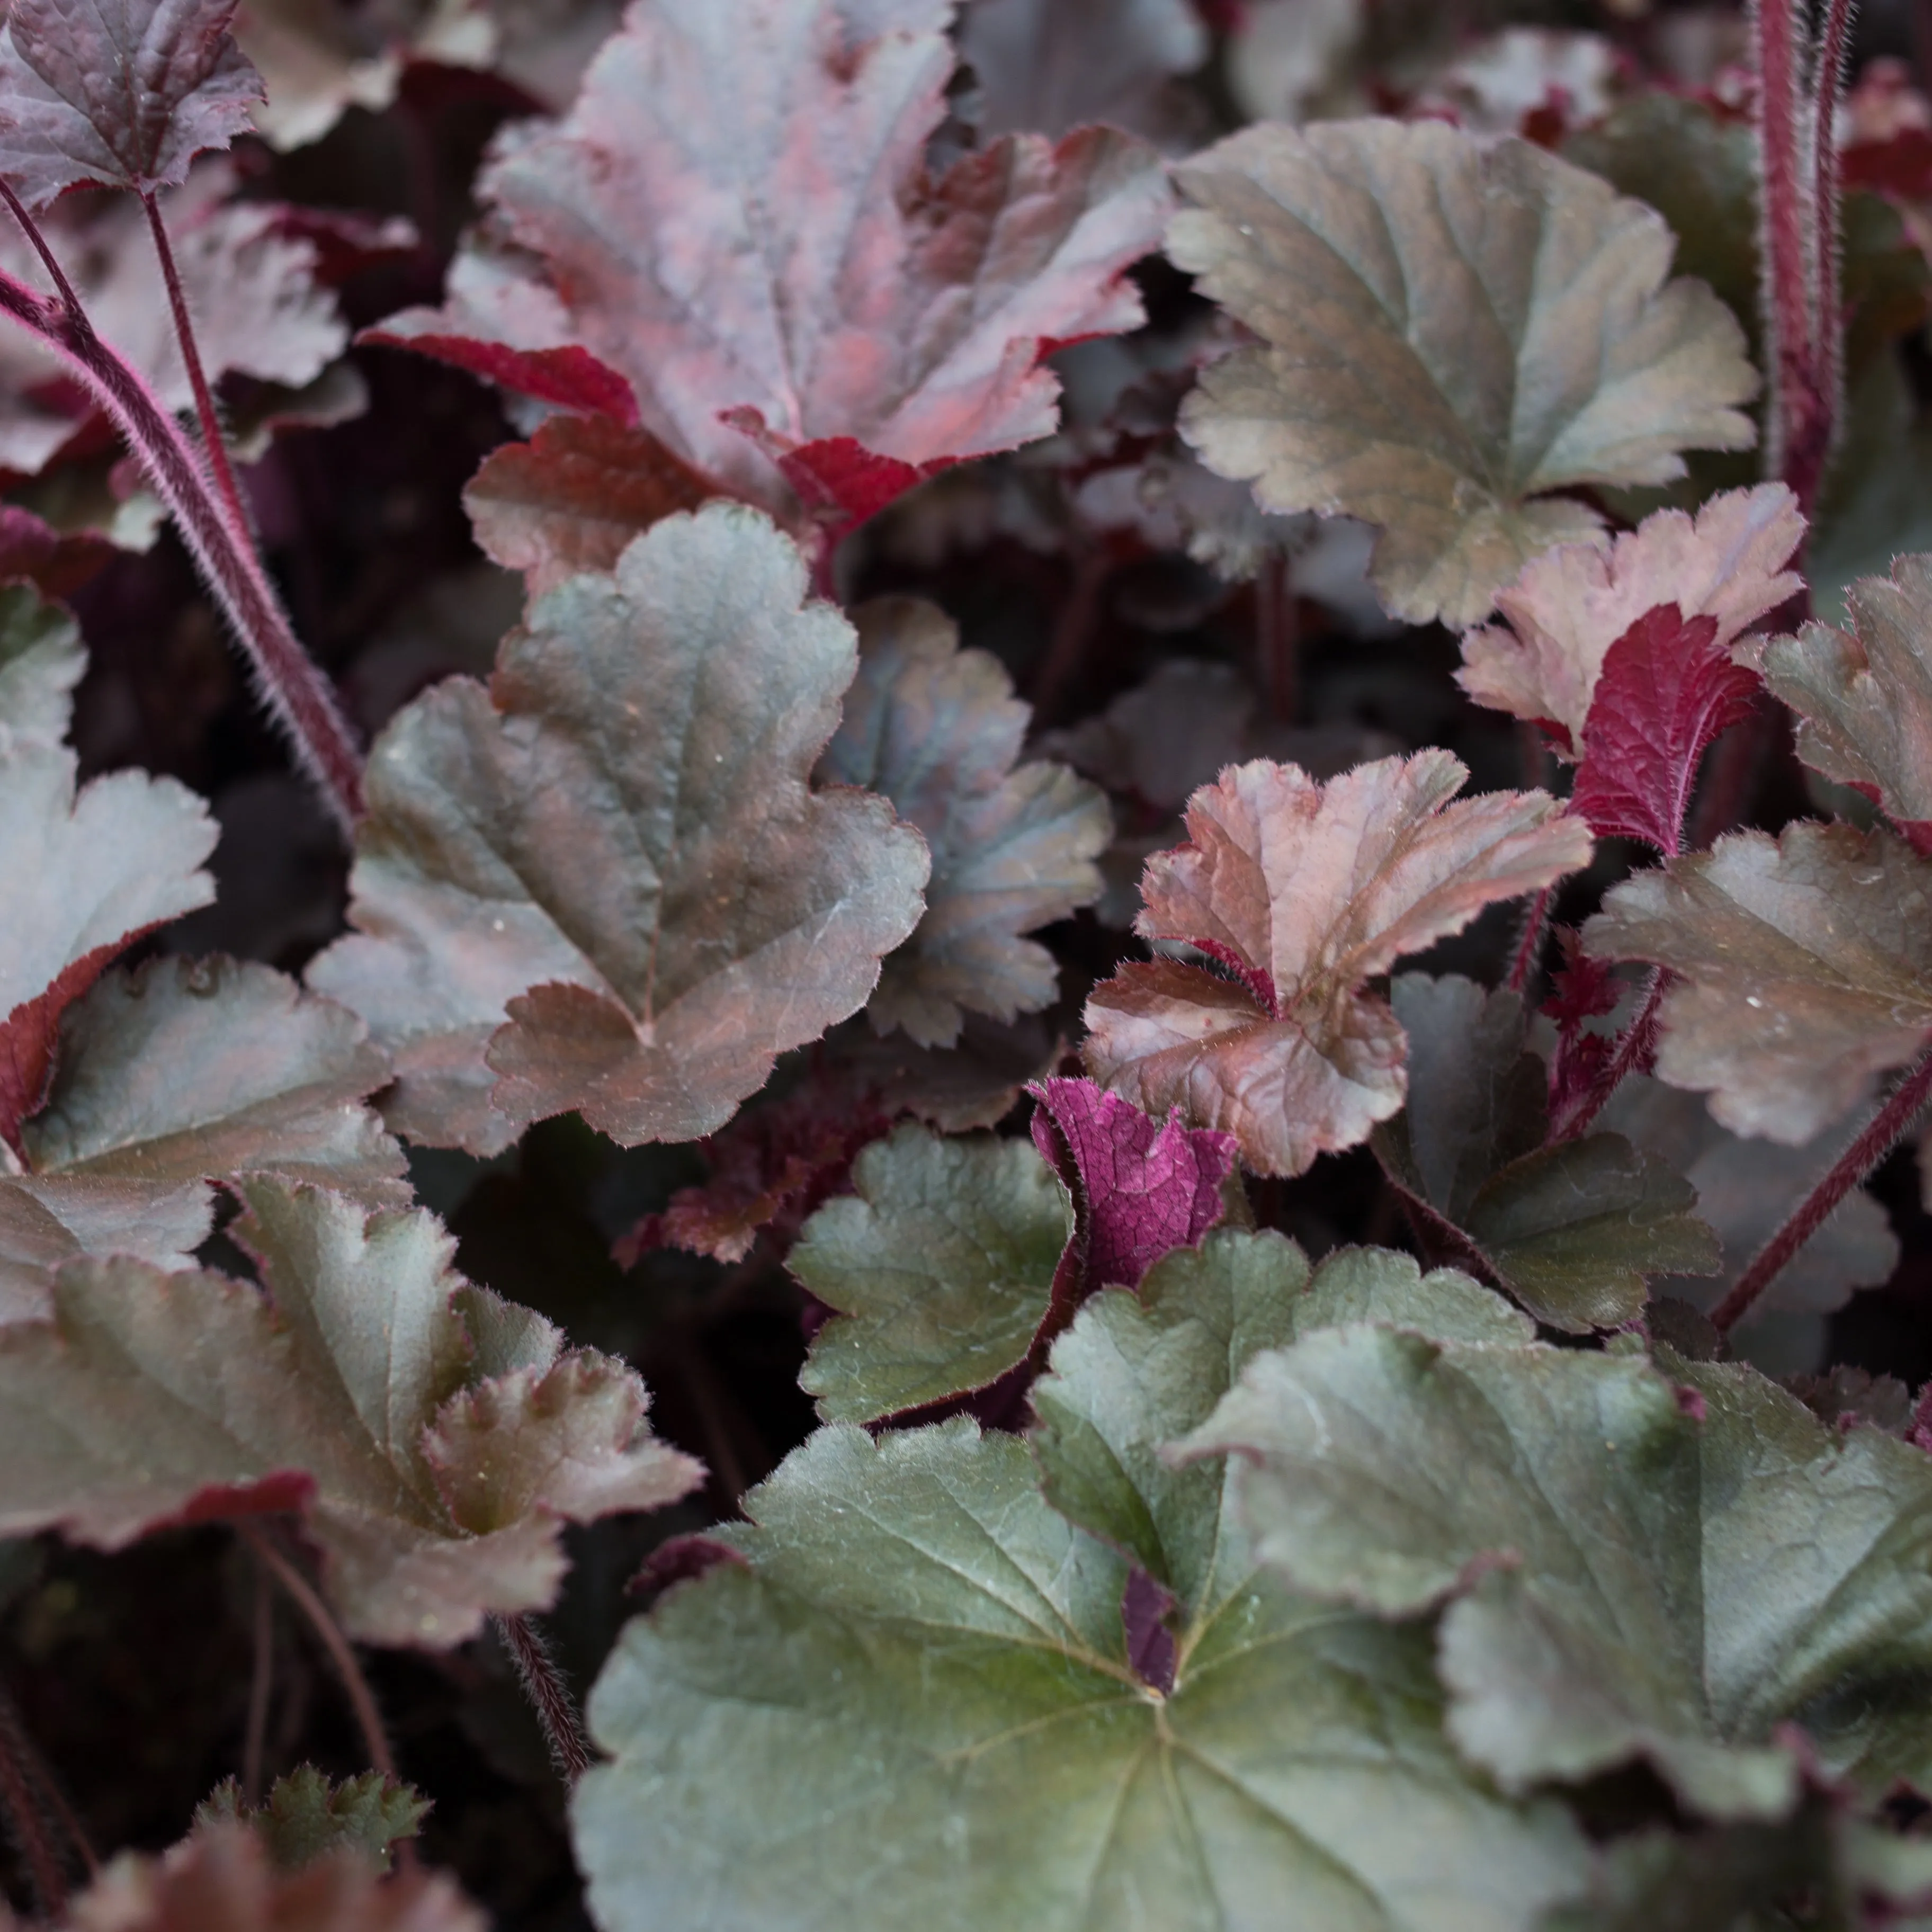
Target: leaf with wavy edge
{"points": [[938, 731], [1803, 965], [1451, 329], [1303, 892], [604, 883], [1569, 606]]}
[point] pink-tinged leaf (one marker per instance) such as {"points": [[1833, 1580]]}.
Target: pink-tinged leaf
{"points": [[277, 1494], [1140, 1188], [1570, 605], [606, 884], [55, 564], [575, 495], [443, 1436], [223, 1879], [1667, 688], [736, 215], [250, 287], [1306, 891], [124, 92], [81, 876]]}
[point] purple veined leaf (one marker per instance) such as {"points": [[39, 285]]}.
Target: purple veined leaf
{"points": [[1303, 892], [124, 92], [869, 324]]}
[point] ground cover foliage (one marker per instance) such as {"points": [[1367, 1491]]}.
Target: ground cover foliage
{"points": [[965, 963]]}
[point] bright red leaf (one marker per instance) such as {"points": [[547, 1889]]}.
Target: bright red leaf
{"points": [[1667, 688]]}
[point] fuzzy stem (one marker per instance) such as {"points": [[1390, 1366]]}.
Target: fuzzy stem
{"points": [[291, 684], [1634, 1042], [29, 1832], [213, 447], [1277, 638], [548, 1696], [1857, 1161], [1529, 946], [1828, 85], [47, 1786], [355, 1686], [254, 1737]]}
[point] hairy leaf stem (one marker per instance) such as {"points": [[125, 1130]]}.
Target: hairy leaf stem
{"points": [[548, 1696], [213, 446], [1634, 1045], [290, 681], [1886, 1127]]}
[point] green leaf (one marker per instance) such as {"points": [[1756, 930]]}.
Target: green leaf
{"points": [[437, 1437], [1874, 506], [1622, 1581], [1135, 1371], [308, 1815], [1451, 329], [941, 1267], [1572, 1230], [1803, 965], [912, 1704], [939, 732], [605, 884]]}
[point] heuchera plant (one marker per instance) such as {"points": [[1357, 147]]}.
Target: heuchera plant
{"points": [[1040, 1079]]}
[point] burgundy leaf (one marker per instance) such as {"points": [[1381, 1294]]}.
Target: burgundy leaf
{"points": [[56, 564], [1145, 1607], [124, 92], [566, 375], [1668, 687], [1583, 989], [736, 218], [1140, 1189]]}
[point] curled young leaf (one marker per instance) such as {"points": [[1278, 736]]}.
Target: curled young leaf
{"points": [[1303, 892], [436, 1438], [1803, 967], [306, 1815], [605, 883], [124, 92], [1863, 695], [938, 731], [1451, 329], [917, 1659], [1624, 1580], [1569, 605], [735, 220]]}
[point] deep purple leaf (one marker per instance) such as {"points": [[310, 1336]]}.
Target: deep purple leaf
{"points": [[1668, 688], [1145, 1607], [124, 92]]}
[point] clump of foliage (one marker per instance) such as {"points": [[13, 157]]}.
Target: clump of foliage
{"points": [[1056, 1064]]}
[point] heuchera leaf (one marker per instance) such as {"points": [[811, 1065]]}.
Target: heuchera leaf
{"points": [[1570, 1230], [1050, 66], [175, 1075], [1303, 892], [1863, 695], [1140, 1187], [571, 498], [735, 217], [938, 731], [1562, 616], [1451, 329], [41, 661], [940, 1269], [222, 1876], [914, 1702], [124, 92], [437, 1438], [81, 875], [251, 285], [1624, 1580], [306, 1815], [607, 872], [1804, 967], [1668, 688]]}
